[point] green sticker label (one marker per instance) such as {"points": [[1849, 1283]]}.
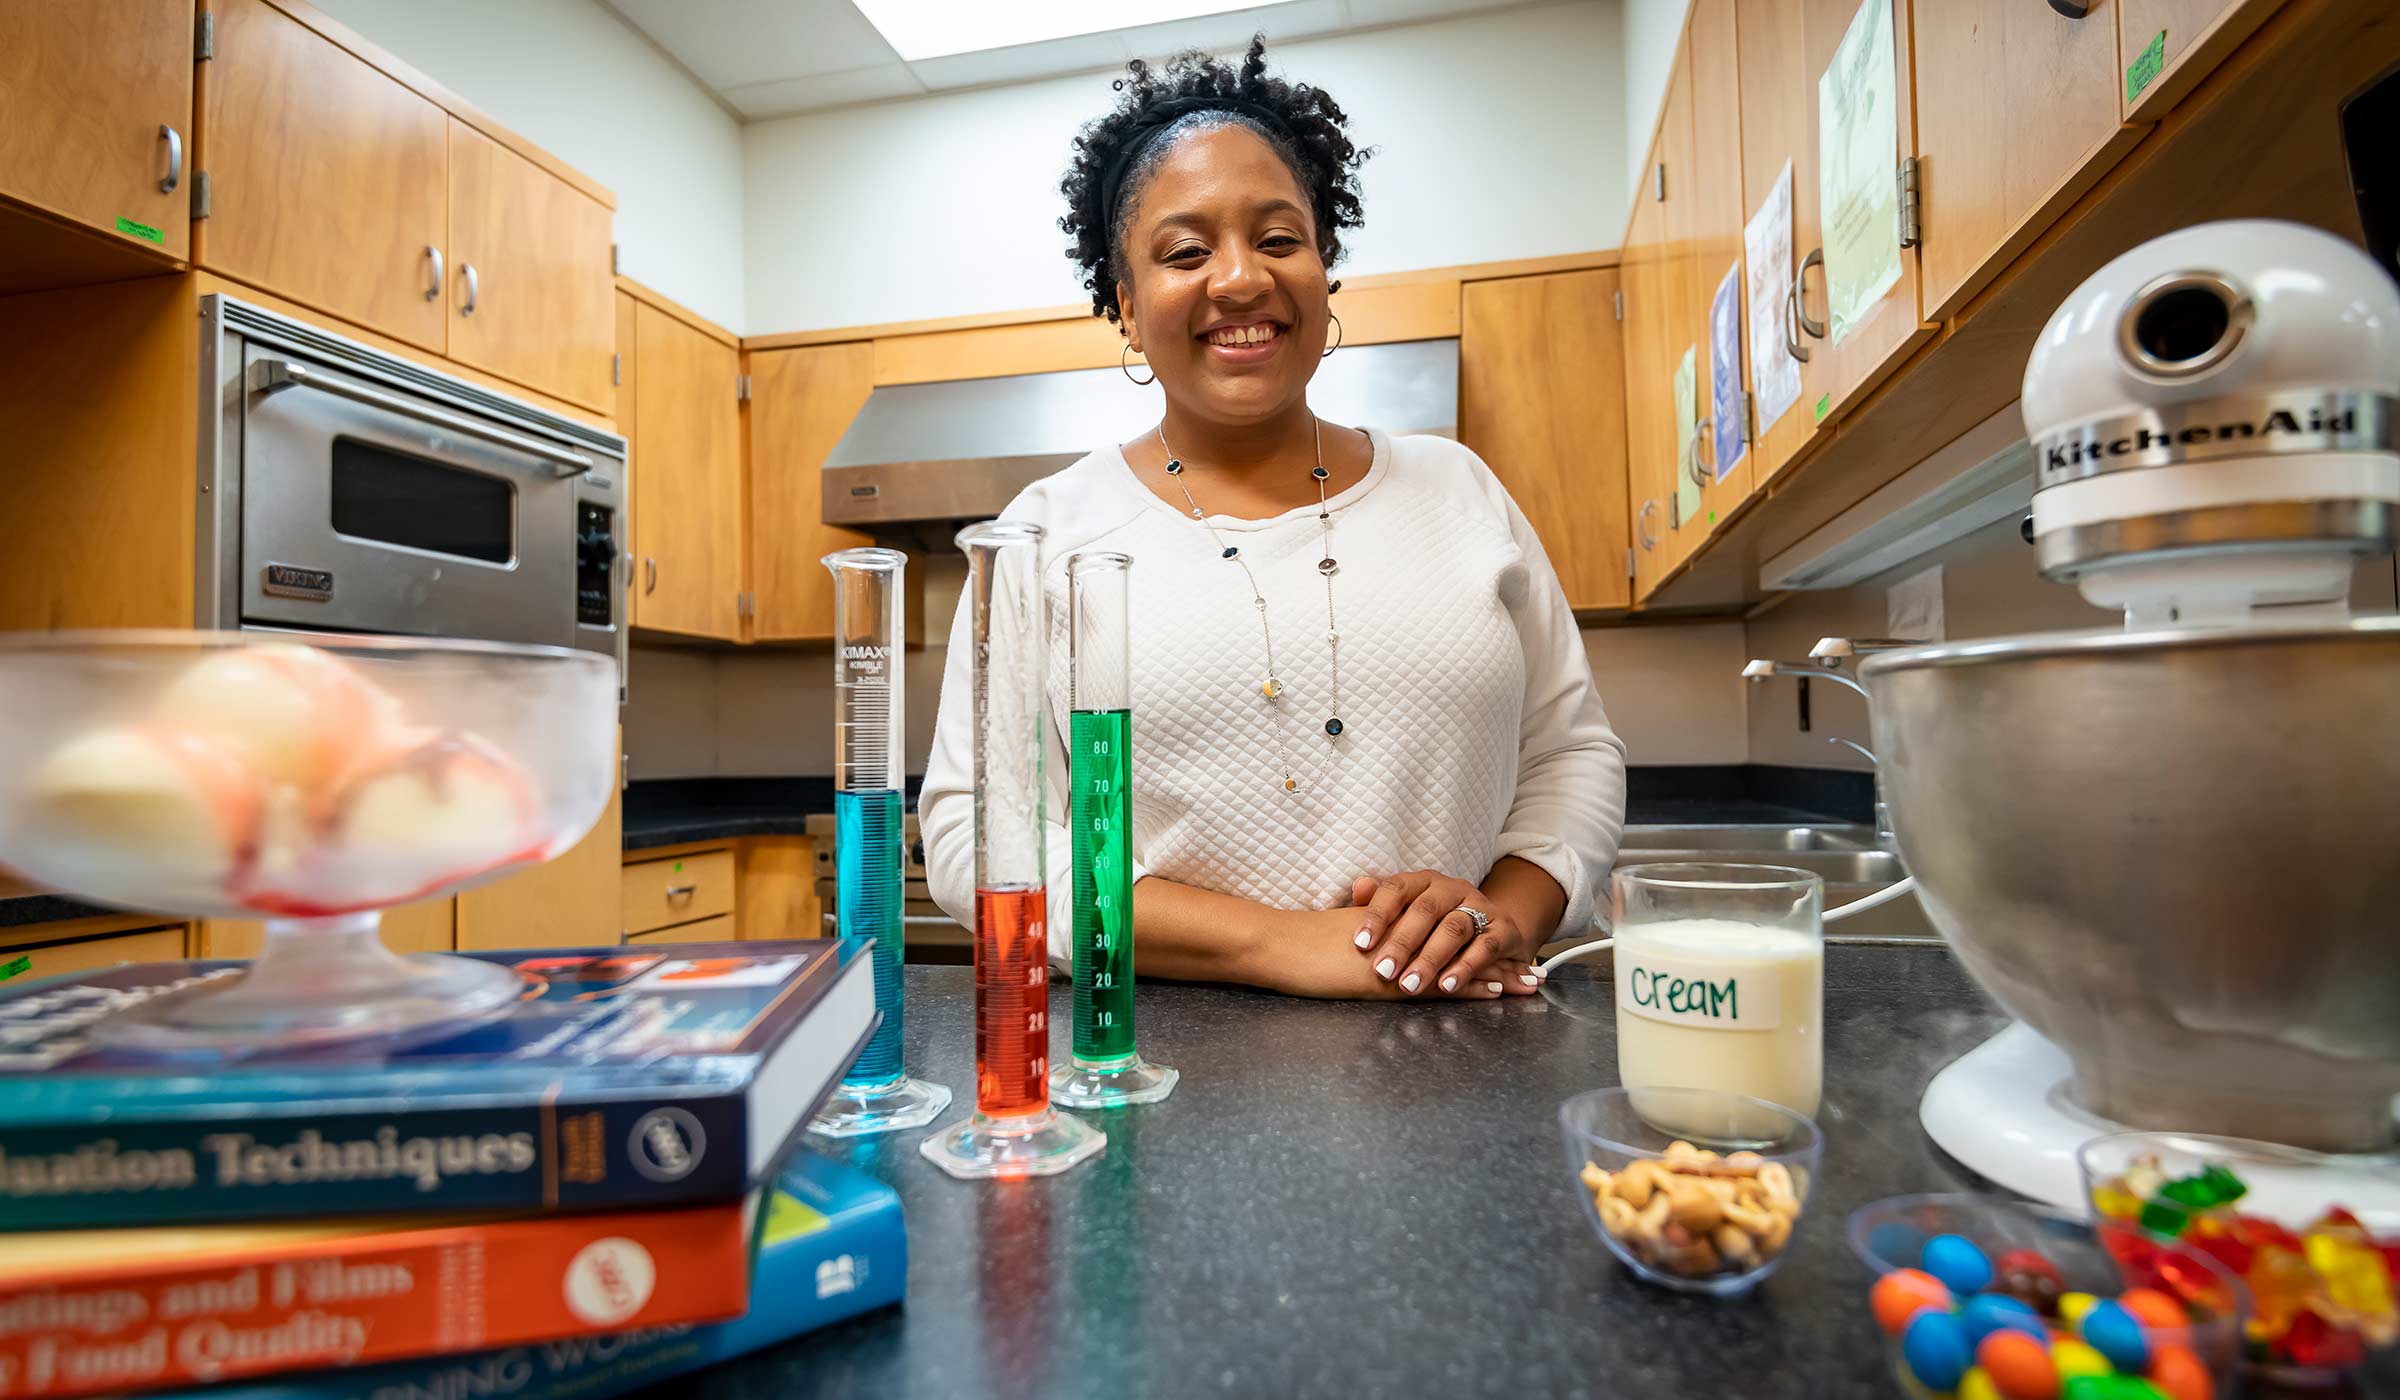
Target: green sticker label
{"points": [[1712, 517], [2144, 70], [679, 867], [125, 225], [1824, 405], [14, 966], [788, 1218]]}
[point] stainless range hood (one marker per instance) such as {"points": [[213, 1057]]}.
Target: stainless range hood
{"points": [[920, 458]]}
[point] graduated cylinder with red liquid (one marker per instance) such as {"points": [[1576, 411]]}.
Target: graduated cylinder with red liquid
{"points": [[1014, 1131]]}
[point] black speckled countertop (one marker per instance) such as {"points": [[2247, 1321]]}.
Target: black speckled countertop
{"points": [[1367, 1199]]}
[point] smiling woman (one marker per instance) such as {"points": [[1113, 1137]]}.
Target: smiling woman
{"points": [[1404, 799]]}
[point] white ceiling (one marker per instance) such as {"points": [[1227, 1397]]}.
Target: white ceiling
{"points": [[771, 58]]}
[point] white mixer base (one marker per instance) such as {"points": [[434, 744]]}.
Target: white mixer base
{"points": [[2004, 1110]]}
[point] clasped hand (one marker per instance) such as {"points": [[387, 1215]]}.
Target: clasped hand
{"points": [[1415, 934]]}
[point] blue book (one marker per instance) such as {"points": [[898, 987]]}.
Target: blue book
{"points": [[621, 1077], [831, 1246]]}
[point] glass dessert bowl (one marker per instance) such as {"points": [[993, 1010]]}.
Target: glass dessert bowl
{"points": [[309, 783]]}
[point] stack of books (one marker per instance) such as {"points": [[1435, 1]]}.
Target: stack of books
{"points": [[592, 1192]]}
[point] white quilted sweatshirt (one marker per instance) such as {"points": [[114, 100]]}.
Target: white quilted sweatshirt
{"points": [[1471, 728]]}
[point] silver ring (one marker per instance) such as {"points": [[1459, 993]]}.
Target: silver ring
{"points": [[1483, 921]]}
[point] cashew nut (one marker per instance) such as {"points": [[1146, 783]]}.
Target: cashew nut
{"points": [[1596, 1180], [1695, 1209], [1635, 1183], [1750, 1218], [1616, 1217], [1733, 1246]]}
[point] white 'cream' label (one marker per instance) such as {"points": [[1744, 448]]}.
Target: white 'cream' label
{"points": [[1698, 993]]}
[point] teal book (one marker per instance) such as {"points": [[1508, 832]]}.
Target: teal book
{"points": [[830, 1247], [620, 1078]]}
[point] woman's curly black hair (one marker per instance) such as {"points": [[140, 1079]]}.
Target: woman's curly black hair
{"points": [[1312, 142]]}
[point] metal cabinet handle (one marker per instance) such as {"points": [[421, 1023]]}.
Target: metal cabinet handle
{"points": [[267, 376], [434, 255], [174, 176], [649, 576], [1815, 328], [1641, 522], [682, 891], [474, 290], [1791, 323], [2072, 9]]}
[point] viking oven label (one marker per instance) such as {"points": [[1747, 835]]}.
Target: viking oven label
{"points": [[292, 581]]}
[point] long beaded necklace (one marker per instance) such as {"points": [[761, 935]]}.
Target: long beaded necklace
{"points": [[1272, 686]]}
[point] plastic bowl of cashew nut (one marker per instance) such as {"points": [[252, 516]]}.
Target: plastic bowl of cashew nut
{"points": [[1690, 1207]]}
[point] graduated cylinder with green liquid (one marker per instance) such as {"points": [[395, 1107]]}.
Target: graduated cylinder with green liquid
{"points": [[1105, 1070]]}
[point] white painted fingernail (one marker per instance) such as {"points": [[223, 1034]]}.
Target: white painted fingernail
{"points": [[1449, 984], [1529, 979], [1364, 938], [1409, 983], [1493, 985], [1384, 969]]}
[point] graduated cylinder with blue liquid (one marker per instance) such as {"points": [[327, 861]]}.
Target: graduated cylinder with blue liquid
{"points": [[876, 1096]]}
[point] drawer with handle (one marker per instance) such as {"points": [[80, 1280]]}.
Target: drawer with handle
{"points": [[678, 890], [716, 930]]}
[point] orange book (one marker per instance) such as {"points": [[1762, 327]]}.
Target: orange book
{"points": [[111, 1310]]}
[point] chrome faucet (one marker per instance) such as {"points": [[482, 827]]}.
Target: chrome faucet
{"points": [[1759, 670], [1883, 810]]}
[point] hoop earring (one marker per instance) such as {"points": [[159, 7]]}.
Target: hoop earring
{"points": [[1337, 339], [1127, 370]]}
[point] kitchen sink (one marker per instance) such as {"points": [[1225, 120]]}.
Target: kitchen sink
{"points": [[1749, 839]]}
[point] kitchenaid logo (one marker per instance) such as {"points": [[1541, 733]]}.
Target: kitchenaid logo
{"points": [[2217, 429]]}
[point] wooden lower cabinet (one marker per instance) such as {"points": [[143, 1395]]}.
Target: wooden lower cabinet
{"points": [[164, 944], [778, 887], [571, 902], [716, 930], [753, 887], [677, 890], [430, 926]]}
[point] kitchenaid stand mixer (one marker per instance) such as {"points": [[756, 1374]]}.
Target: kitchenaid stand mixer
{"points": [[2169, 850]]}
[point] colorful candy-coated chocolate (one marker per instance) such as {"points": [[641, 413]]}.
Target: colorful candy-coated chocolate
{"points": [[1958, 1263], [1977, 1385], [2152, 1308], [2026, 1275], [2019, 1364], [1935, 1349], [2178, 1372], [1986, 1313], [2072, 1307], [2031, 1261], [2114, 1333], [2110, 1388], [1902, 1294], [2074, 1359]]}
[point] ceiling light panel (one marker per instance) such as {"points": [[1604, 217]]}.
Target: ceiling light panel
{"points": [[920, 29]]}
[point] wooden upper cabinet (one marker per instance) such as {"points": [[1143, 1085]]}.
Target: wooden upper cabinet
{"points": [[2021, 119], [2165, 47], [687, 479], [622, 365], [1879, 341], [98, 124], [801, 401], [1541, 374], [328, 180], [531, 294], [1677, 316], [1714, 212], [1646, 277], [1777, 132]]}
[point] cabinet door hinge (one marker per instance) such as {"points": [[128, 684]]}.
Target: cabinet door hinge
{"points": [[616, 370], [1629, 573], [1658, 181], [1912, 207], [1620, 297], [204, 37], [1749, 410], [612, 259], [199, 195], [741, 388]]}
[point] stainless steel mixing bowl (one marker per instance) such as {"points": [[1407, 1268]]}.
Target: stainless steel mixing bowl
{"points": [[2176, 854]]}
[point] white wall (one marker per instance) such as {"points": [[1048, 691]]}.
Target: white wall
{"points": [[1501, 136], [1652, 30], [573, 78]]}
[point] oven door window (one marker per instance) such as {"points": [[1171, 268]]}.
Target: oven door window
{"points": [[416, 503]]}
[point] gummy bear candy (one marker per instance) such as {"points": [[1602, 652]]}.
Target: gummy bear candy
{"points": [[2314, 1342], [2353, 1272], [2115, 1202]]}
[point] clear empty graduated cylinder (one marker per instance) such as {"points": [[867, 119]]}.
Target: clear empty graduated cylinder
{"points": [[1104, 1070], [876, 1096], [1014, 1131]]}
